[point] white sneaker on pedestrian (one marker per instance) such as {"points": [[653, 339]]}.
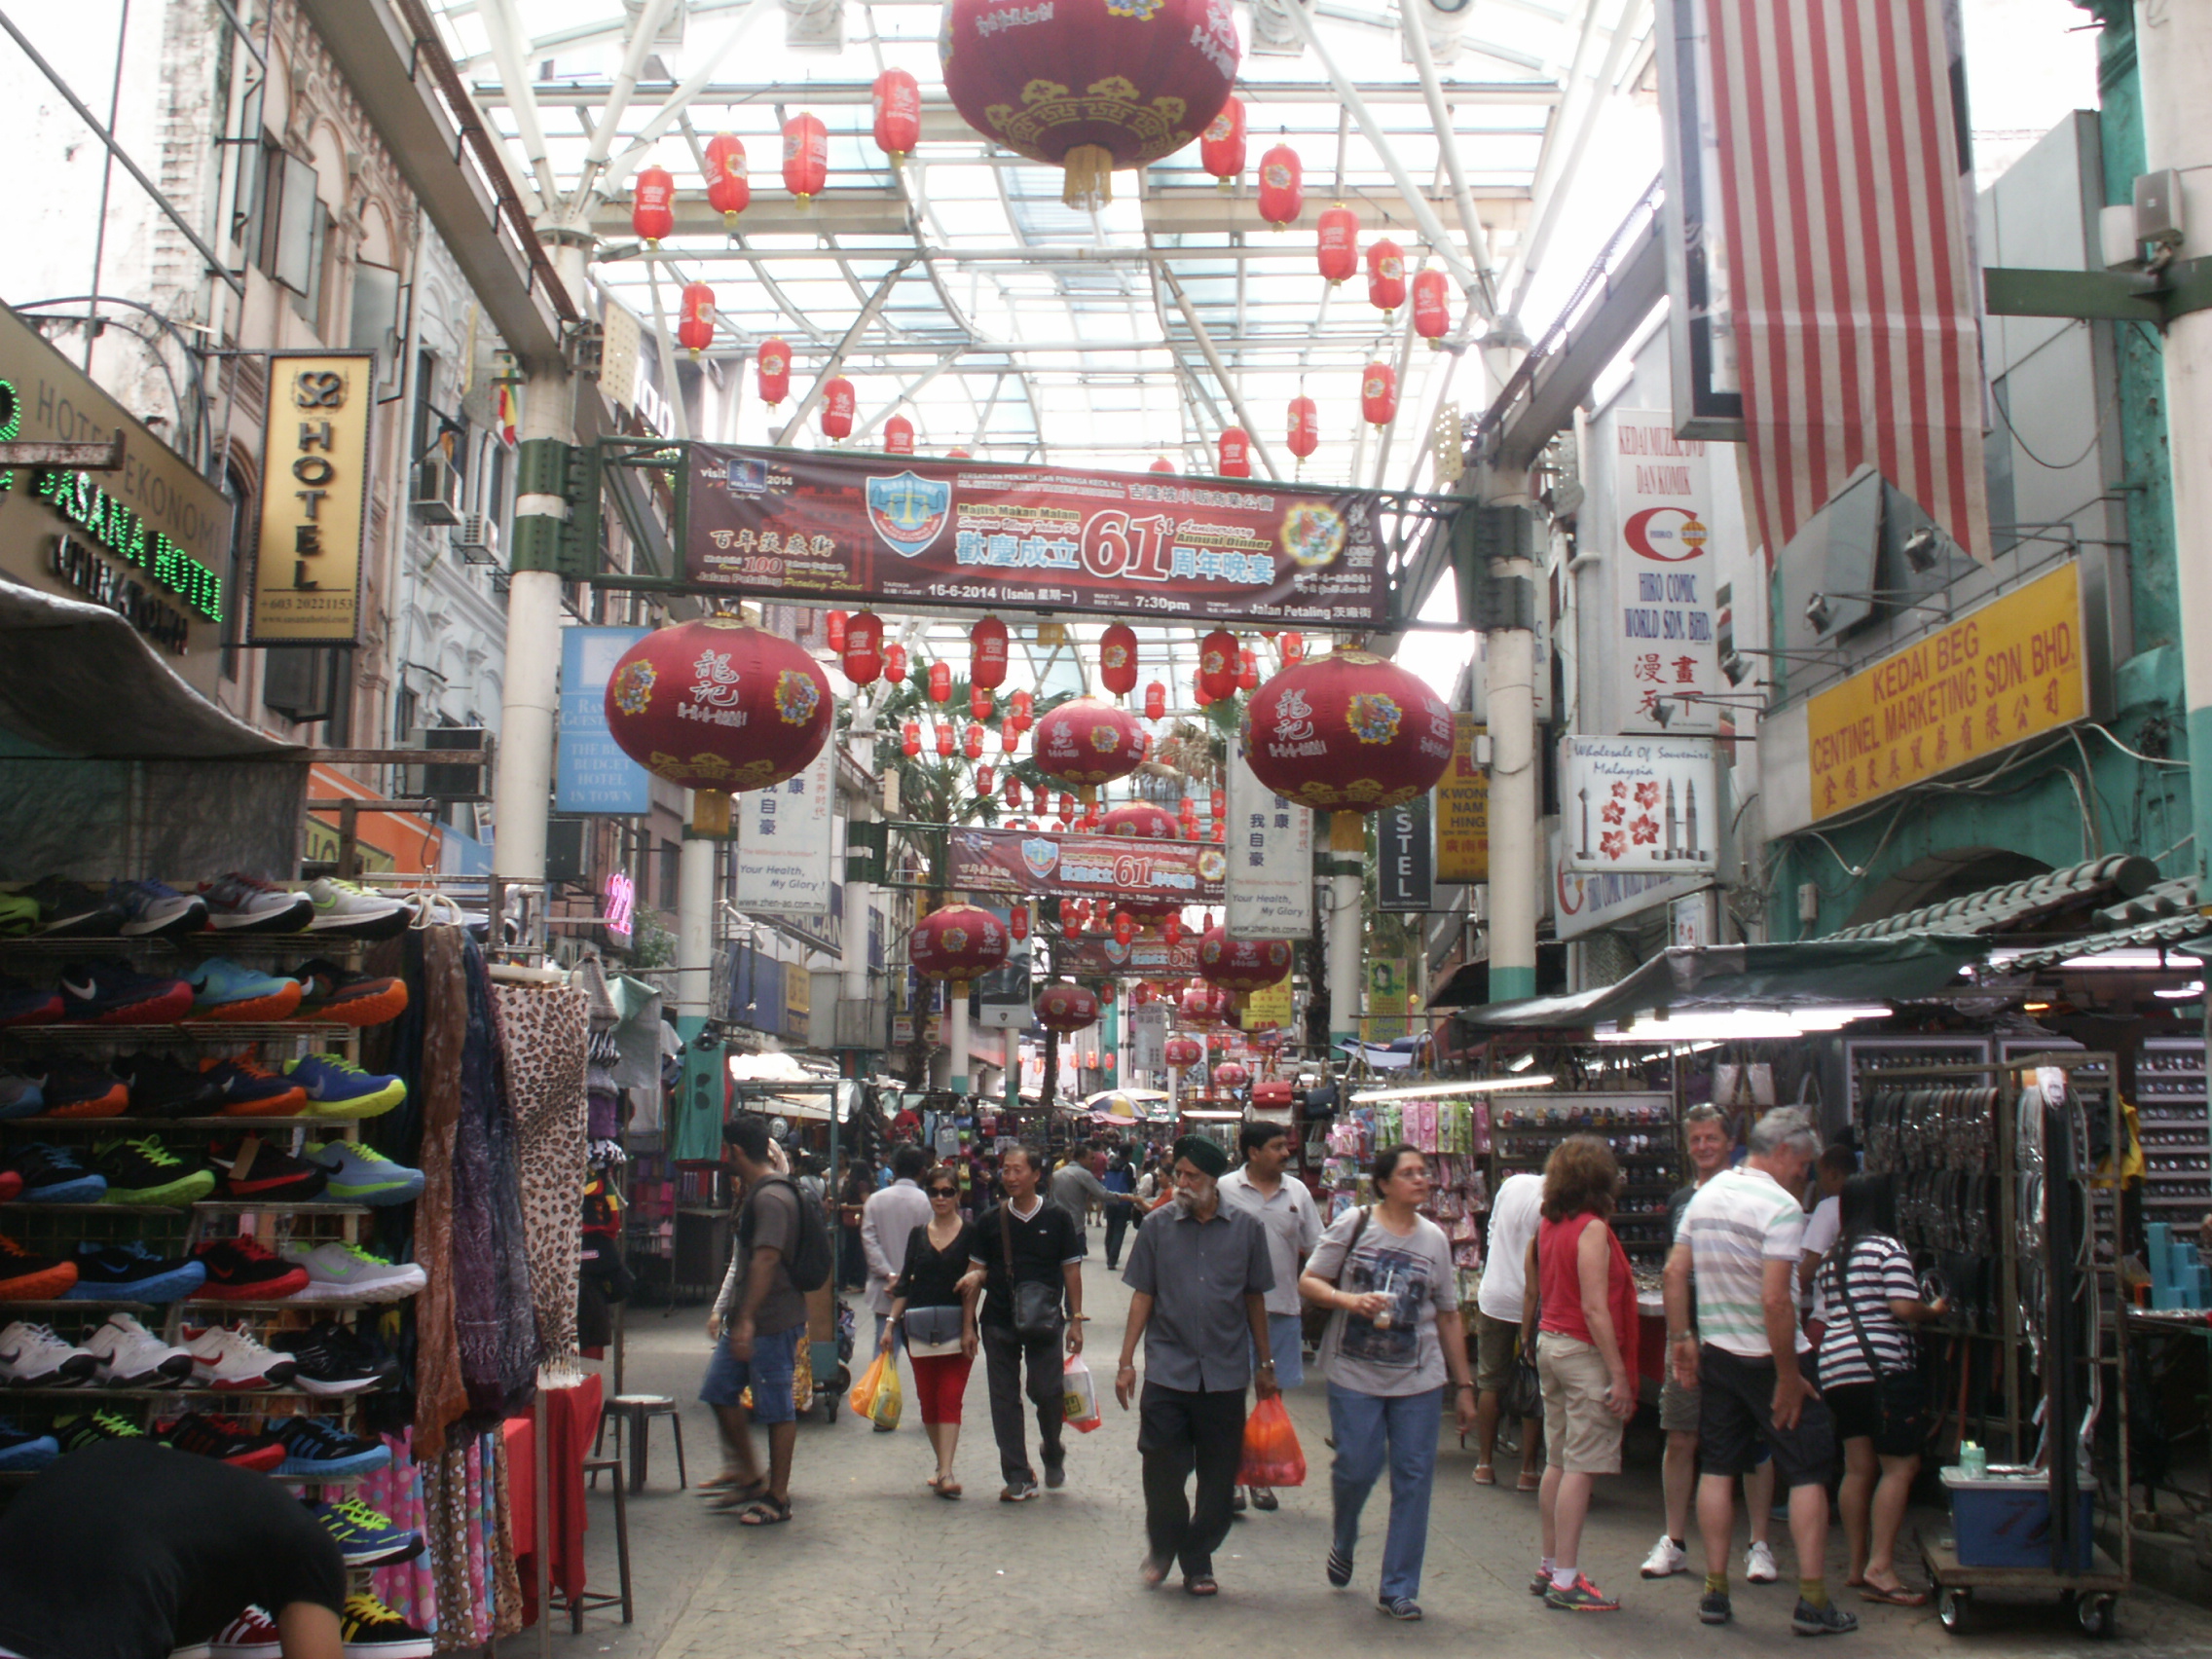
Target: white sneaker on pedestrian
{"points": [[1758, 1564], [1667, 1557]]}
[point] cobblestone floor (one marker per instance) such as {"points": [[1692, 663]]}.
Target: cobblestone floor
{"points": [[873, 1564]]}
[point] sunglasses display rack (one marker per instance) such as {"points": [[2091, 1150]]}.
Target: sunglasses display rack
{"points": [[2171, 1121], [1646, 1142]]}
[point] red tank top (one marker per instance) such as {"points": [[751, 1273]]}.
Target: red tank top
{"points": [[1559, 1282]]}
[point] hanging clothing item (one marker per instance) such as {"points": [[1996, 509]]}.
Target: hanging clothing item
{"points": [[440, 1394], [493, 1318], [545, 1027]]}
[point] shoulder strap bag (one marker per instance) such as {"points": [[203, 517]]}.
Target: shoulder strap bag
{"points": [[1036, 1307], [1901, 1397]]}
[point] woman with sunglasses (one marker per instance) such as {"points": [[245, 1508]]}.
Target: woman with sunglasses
{"points": [[938, 1319]]}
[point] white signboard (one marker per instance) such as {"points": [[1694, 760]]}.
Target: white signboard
{"points": [[1662, 558], [1645, 805], [1148, 1039], [1585, 904], [1268, 889], [787, 842]]}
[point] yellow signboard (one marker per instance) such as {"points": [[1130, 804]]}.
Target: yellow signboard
{"points": [[1268, 1007], [1390, 1001], [315, 467], [1462, 809], [1998, 675]]}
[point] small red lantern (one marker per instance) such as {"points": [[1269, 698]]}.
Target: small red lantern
{"points": [[959, 943], [958, 454], [987, 653], [1068, 804], [1242, 966], [695, 320], [1305, 427], [1236, 452], [894, 663], [1230, 1074], [1141, 819], [1065, 1007], [1293, 649], [1221, 146], [980, 702], [1161, 463], [944, 742], [972, 745], [1017, 919], [1247, 670], [1188, 812], [910, 738], [897, 435], [1084, 741], [1219, 833], [773, 362], [1117, 659], [1155, 701], [1217, 809], [1022, 702], [806, 157], [652, 205], [940, 682], [1106, 1000], [1385, 275], [729, 186], [1336, 246], [1171, 931], [898, 113], [1125, 928], [1182, 1052], [1217, 664], [1282, 186], [1378, 393], [714, 705], [1010, 738], [1071, 930], [984, 774], [1432, 307], [834, 630], [837, 408], [1347, 732], [1012, 792]]}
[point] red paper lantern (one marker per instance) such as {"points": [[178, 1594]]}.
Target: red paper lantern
{"points": [[944, 742], [972, 745], [1188, 812], [1217, 807], [1203, 1005], [1155, 701], [894, 663], [1230, 1074], [987, 653], [910, 738], [716, 705], [940, 682], [1064, 1008], [959, 943], [1293, 649], [695, 319], [1378, 393], [1221, 146], [898, 113], [806, 157], [1125, 928], [652, 205], [1183, 1052], [837, 408], [1161, 463], [1347, 732], [1098, 85], [1219, 833], [1236, 452], [1141, 819], [958, 454], [729, 186], [773, 363], [1010, 738], [985, 777], [1117, 659], [1282, 186], [1014, 792], [1243, 965], [1070, 928], [1305, 427], [897, 435], [1067, 806], [1247, 669], [1432, 307], [1172, 931], [1336, 243], [1084, 741], [1017, 919], [1022, 702], [980, 702], [1385, 275], [1217, 664]]}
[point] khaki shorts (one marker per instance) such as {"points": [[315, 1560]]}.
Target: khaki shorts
{"points": [[1678, 1406], [1580, 1436], [1496, 1343]]}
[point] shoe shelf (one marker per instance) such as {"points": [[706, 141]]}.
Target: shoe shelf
{"points": [[343, 949], [241, 1123], [204, 1206], [237, 1032], [23, 1477], [94, 1392]]}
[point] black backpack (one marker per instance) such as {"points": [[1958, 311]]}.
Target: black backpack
{"points": [[809, 1267]]}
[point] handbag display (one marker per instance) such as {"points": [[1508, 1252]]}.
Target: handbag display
{"points": [[1036, 1307]]}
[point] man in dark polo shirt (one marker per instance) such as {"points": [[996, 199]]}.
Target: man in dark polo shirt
{"points": [[1200, 1275], [1044, 1246]]}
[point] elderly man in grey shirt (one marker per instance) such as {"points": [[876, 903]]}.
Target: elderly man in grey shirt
{"points": [[1076, 1186], [1200, 1275]]}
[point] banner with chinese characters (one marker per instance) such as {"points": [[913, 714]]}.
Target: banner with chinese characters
{"points": [[1658, 627], [1085, 867], [315, 467], [1462, 809], [1268, 884], [1646, 805], [1270, 1009], [787, 842], [1096, 956], [836, 527]]}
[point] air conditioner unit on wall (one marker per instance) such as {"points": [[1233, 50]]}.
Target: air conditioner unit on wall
{"points": [[437, 492], [477, 541]]}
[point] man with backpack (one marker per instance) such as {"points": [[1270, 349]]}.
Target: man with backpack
{"points": [[780, 1252]]}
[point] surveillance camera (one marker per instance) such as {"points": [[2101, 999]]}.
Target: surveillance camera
{"points": [[1920, 549]]}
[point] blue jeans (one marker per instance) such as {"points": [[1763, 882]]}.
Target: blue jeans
{"points": [[1368, 1428], [1284, 1339]]}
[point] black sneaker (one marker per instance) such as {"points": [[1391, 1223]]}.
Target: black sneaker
{"points": [[80, 1430], [329, 1364], [224, 1439], [317, 1446], [370, 1630], [26, 1004], [53, 1175], [1831, 1620], [244, 1270], [1713, 1607], [108, 993], [70, 910], [130, 1271], [270, 1174], [163, 1088], [141, 1170]]}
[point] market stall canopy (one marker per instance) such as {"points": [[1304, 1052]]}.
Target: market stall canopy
{"points": [[1796, 976]]}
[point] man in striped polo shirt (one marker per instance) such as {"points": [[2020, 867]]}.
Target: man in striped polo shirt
{"points": [[1740, 1236]]}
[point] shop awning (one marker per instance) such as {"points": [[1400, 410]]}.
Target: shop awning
{"points": [[1803, 975], [2146, 945], [2018, 905]]}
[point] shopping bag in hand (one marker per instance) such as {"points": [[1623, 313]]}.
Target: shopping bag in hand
{"points": [[1080, 1401], [884, 1408], [1272, 1453], [863, 1398]]}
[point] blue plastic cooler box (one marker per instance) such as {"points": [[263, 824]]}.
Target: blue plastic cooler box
{"points": [[2003, 1519]]}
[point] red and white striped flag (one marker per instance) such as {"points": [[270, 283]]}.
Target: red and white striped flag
{"points": [[1854, 299]]}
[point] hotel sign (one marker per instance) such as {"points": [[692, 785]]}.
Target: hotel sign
{"points": [[314, 464]]}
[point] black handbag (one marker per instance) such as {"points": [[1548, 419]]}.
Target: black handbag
{"points": [[1901, 1397], [1036, 1307], [932, 1327], [1523, 1397]]}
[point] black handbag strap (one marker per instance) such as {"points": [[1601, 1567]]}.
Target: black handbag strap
{"points": [[1350, 1244], [1851, 1311]]}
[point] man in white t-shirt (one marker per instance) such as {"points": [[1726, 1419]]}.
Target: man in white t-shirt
{"points": [[1514, 1211], [1835, 1165], [1287, 1214]]}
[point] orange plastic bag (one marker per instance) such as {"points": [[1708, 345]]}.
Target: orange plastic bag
{"points": [[1273, 1457], [862, 1398]]}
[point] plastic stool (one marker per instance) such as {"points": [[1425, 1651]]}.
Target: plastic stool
{"points": [[636, 1412], [587, 1599]]}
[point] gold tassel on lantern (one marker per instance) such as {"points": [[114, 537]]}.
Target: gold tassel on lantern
{"points": [[1087, 176], [710, 812]]}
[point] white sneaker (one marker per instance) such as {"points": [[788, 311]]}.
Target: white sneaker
{"points": [[1758, 1564], [226, 1358], [1667, 1557], [32, 1356], [338, 1272], [130, 1356], [340, 906]]}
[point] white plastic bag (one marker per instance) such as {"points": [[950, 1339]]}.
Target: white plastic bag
{"points": [[1079, 1397]]}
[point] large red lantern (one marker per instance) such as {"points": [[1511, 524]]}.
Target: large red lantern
{"points": [[1117, 659], [773, 363], [1221, 146], [1242, 966], [1236, 452], [1378, 393], [1094, 86], [1217, 664], [1305, 427], [1336, 246], [1230, 1074], [1203, 1005], [898, 113], [959, 943], [1155, 701], [1385, 275], [806, 157], [718, 706], [729, 186], [1141, 819], [1084, 741], [897, 435], [1432, 307], [1183, 1052], [1347, 732], [987, 653], [837, 401], [1282, 186], [894, 663], [1065, 1007], [652, 204], [695, 320]]}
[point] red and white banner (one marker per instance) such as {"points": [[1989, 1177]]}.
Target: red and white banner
{"points": [[1852, 288]]}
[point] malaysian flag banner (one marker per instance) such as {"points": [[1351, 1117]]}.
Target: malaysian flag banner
{"points": [[1853, 296]]}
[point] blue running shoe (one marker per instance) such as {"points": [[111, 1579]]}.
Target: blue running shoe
{"points": [[53, 1175], [365, 1537], [223, 990], [21, 1451], [154, 908], [337, 1088], [362, 1175], [20, 1096], [317, 1446], [130, 1271]]}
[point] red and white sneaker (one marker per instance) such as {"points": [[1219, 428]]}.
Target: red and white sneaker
{"points": [[252, 1634]]}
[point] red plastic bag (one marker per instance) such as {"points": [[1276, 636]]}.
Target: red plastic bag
{"points": [[1272, 1453]]}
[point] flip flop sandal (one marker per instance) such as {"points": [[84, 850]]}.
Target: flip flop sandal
{"points": [[1525, 1483], [764, 1512], [1901, 1597], [734, 1496], [1486, 1475]]}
